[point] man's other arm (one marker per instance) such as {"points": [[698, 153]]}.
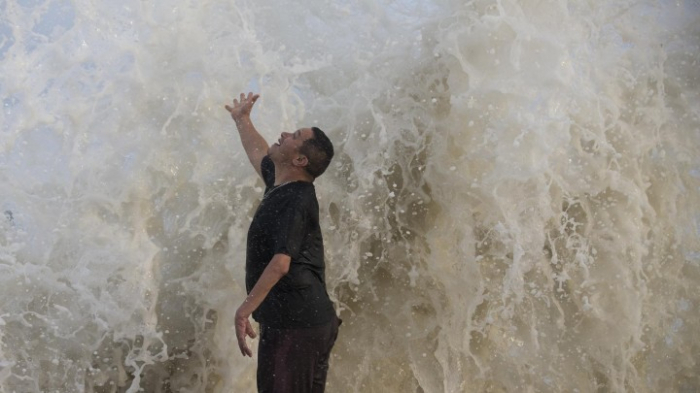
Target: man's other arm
{"points": [[275, 270], [254, 144]]}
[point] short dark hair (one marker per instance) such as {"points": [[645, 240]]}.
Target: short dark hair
{"points": [[319, 151]]}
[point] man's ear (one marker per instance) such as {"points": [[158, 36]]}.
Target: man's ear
{"points": [[301, 160]]}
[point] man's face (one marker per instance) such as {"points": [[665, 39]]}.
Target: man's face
{"points": [[287, 147]]}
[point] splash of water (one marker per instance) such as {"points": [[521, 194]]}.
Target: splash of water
{"points": [[513, 207]]}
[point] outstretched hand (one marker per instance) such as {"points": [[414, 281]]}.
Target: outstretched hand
{"points": [[243, 329], [243, 107]]}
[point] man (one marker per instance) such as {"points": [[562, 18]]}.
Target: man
{"points": [[285, 268]]}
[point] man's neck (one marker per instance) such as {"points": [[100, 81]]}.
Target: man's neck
{"points": [[288, 175]]}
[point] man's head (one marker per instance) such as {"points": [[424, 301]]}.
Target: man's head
{"points": [[306, 148]]}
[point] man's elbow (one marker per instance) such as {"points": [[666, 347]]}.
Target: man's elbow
{"points": [[281, 264], [282, 269]]}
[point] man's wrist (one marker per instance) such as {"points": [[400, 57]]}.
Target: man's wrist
{"points": [[241, 119], [242, 310]]}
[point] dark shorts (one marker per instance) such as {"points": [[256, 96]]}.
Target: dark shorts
{"points": [[295, 360]]}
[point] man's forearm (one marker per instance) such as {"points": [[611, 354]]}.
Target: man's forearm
{"points": [[275, 270], [254, 144]]}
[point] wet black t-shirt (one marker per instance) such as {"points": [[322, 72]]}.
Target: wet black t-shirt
{"points": [[286, 222]]}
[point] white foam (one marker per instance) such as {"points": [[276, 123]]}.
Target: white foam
{"points": [[511, 206]]}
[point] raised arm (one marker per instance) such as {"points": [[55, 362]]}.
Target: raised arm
{"points": [[254, 144]]}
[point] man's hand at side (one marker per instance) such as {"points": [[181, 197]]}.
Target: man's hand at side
{"points": [[243, 329]]}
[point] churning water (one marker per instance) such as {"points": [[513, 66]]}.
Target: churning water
{"points": [[514, 205]]}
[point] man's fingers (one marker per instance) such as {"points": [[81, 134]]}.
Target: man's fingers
{"points": [[251, 98], [245, 351], [243, 346], [251, 332], [244, 106]]}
